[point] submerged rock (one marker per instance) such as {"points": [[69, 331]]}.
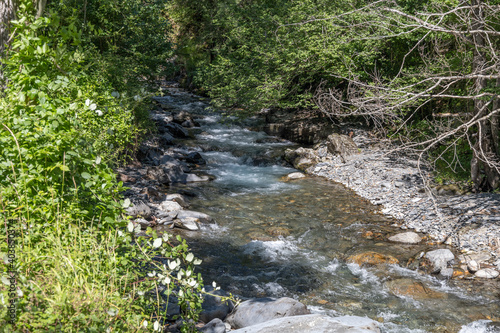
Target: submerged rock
{"points": [[372, 258], [259, 310], [315, 323], [414, 289]]}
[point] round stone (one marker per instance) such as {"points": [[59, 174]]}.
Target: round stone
{"points": [[487, 273]]}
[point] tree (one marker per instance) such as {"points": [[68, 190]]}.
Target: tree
{"points": [[457, 48], [7, 14]]}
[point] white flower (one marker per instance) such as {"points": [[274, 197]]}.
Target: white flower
{"points": [[171, 264], [156, 326], [93, 106], [190, 257], [87, 102], [145, 324], [157, 242], [137, 98], [99, 113]]}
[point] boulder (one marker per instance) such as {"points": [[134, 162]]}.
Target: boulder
{"points": [[259, 310], [213, 306], [314, 323], [140, 209], [202, 217], [195, 158], [170, 206], [406, 237], [177, 130], [341, 145], [437, 260], [487, 273], [214, 326], [188, 223], [371, 258], [179, 198], [301, 158], [169, 174]]}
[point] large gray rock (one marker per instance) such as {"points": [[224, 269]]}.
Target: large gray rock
{"points": [[179, 198], [487, 273], [177, 130], [214, 326], [342, 145], [259, 310], [213, 306], [439, 259], [314, 323], [406, 237], [170, 206], [140, 209], [167, 174], [202, 217], [302, 158], [188, 223]]}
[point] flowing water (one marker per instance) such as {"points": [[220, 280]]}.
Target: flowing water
{"points": [[275, 238]]}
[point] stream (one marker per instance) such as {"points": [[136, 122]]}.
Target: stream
{"points": [[276, 238]]}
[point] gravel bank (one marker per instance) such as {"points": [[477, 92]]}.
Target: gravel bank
{"points": [[470, 222]]}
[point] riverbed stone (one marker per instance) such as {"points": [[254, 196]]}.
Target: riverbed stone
{"points": [[372, 258], [409, 237], [259, 310], [411, 288], [193, 178], [473, 266], [188, 223], [314, 323], [202, 217], [214, 326], [179, 198], [139, 209], [487, 273], [213, 307], [170, 206], [293, 176], [438, 259]]}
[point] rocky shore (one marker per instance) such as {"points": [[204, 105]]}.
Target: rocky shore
{"points": [[468, 222]]}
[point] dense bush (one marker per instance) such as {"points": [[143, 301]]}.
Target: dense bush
{"points": [[73, 108]]}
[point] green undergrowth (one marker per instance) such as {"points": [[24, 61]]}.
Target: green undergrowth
{"points": [[72, 261]]}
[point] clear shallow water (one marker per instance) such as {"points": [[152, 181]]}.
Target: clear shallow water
{"points": [[292, 239]]}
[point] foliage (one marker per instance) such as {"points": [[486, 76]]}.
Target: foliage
{"points": [[66, 118], [397, 64]]}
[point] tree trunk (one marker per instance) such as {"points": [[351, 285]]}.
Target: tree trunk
{"points": [[484, 174], [7, 14]]}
